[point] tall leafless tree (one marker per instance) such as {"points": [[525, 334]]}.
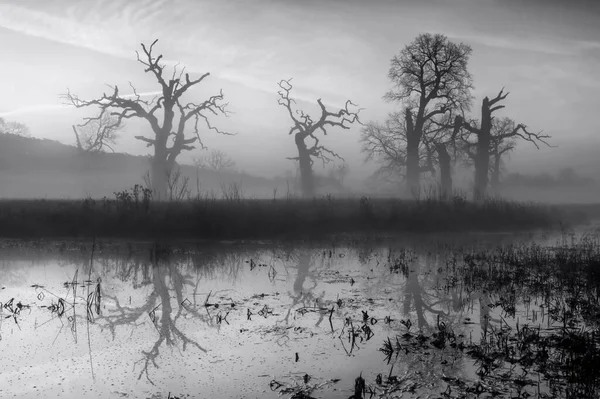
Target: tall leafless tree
{"points": [[501, 146], [305, 127], [485, 140], [430, 78], [386, 144], [96, 134], [168, 115], [441, 143]]}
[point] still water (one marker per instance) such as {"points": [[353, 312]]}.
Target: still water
{"points": [[112, 320]]}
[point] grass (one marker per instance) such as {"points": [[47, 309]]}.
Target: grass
{"points": [[233, 217], [561, 283]]}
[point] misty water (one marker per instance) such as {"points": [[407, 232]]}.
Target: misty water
{"points": [[238, 320]]}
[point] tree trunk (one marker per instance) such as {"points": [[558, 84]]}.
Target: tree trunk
{"points": [[413, 138], [307, 180], [495, 178], [482, 157], [159, 173], [495, 172], [445, 171]]}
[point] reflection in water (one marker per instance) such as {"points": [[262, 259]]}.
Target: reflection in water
{"points": [[165, 278], [182, 321]]}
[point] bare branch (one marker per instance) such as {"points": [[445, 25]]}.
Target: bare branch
{"points": [[498, 98], [522, 132], [98, 132], [149, 142], [170, 125]]}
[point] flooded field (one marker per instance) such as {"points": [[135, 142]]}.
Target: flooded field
{"points": [[429, 316]]}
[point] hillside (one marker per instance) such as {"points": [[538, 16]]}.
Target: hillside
{"points": [[35, 168]]}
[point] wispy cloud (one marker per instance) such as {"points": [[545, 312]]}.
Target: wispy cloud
{"points": [[56, 28], [32, 109], [546, 46], [254, 52]]}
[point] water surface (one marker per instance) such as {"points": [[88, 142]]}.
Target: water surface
{"points": [[238, 321]]}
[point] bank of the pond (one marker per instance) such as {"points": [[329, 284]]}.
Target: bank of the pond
{"points": [[255, 219]]}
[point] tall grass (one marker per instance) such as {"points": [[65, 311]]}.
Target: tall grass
{"points": [[231, 216]]}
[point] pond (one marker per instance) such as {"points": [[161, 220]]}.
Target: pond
{"points": [[265, 321]]}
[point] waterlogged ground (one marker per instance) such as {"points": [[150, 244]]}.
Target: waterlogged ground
{"points": [[413, 317]]}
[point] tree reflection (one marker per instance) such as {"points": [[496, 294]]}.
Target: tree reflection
{"points": [[163, 309], [303, 293]]}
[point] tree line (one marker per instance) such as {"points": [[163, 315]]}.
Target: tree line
{"points": [[431, 131]]}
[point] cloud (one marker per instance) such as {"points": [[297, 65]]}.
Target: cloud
{"points": [[33, 109], [551, 46], [219, 38], [37, 108], [55, 28]]}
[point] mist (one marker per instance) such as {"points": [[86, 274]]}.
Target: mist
{"points": [[546, 59]]}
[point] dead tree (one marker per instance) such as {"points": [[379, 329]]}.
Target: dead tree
{"points": [[500, 146], [96, 134], [167, 114], [305, 127], [386, 144], [484, 141], [441, 141], [431, 78]]}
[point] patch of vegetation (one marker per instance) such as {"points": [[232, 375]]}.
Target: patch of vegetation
{"points": [[133, 214], [563, 282], [554, 345]]}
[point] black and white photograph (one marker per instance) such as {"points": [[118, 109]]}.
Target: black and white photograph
{"points": [[300, 199]]}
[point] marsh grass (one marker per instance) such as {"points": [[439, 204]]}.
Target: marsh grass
{"points": [[564, 280], [549, 327], [134, 215]]}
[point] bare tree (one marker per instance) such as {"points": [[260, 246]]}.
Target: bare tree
{"points": [[304, 127], [96, 134], [430, 78], [501, 146], [441, 143], [16, 128], [386, 144], [167, 114], [216, 160], [484, 140]]}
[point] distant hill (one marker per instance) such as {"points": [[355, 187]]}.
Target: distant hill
{"points": [[42, 168]]}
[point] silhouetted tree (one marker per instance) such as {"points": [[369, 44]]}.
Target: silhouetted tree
{"points": [[431, 78], [441, 144], [16, 128], [501, 146], [171, 122], [97, 133], [216, 160], [386, 144], [484, 140], [305, 126]]}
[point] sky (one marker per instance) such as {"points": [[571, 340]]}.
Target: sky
{"points": [[545, 52]]}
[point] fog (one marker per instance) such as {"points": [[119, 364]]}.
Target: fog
{"points": [[545, 53]]}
